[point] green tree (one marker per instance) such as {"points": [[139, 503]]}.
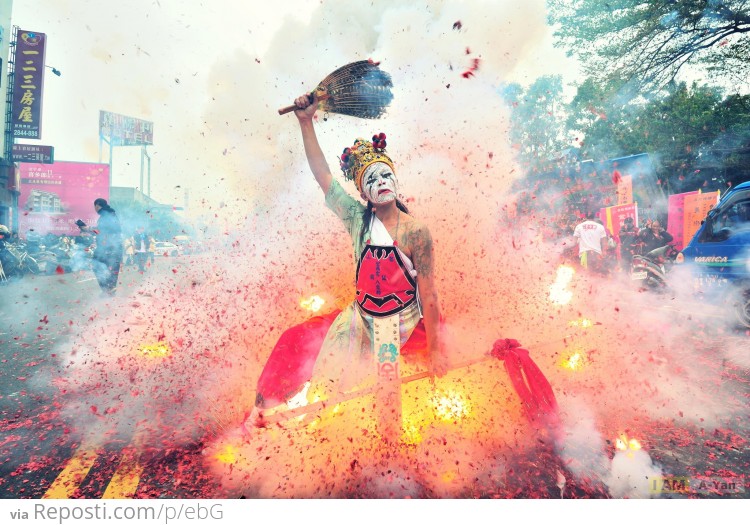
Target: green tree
{"points": [[649, 41], [537, 130], [690, 131], [605, 115]]}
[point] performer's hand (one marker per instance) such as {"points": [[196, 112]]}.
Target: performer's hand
{"points": [[307, 108]]}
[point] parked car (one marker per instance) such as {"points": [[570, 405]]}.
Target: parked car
{"points": [[188, 246], [166, 248], [718, 255]]}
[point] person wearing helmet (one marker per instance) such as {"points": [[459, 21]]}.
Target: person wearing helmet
{"points": [[628, 242], [5, 236]]}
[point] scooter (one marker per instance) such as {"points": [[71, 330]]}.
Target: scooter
{"points": [[66, 256], [649, 270], [15, 262]]}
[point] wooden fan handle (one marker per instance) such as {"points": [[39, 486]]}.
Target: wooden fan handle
{"points": [[289, 109]]}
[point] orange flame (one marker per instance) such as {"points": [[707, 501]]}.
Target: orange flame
{"points": [[451, 406], [623, 443], [558, 292], [157, 350], [312, 303], [582, 323], [575, 361], [411, 434], [227, 455]]}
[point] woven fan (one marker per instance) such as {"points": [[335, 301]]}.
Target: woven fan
{"points": [[359, 89]]}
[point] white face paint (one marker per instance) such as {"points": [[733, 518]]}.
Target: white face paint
{"points": [[379, 184]]}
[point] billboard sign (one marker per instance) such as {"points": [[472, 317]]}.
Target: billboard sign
{"points": [[54, 196], [28, 82], [33, 153], [121, 130]]}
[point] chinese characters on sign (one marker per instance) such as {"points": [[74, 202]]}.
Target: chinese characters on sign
{"points": [[125, 131], [33, 153], [27, 84], [697, 206]]}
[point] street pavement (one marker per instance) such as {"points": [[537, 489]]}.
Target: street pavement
{"points": [[39, 456]]}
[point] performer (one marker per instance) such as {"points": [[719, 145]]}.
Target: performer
{"points": [[396, 300]]}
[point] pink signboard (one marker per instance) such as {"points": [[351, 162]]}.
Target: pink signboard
{"points": [[54, 196]]}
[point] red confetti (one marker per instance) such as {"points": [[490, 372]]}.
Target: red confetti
{"points": [[474, 66]]}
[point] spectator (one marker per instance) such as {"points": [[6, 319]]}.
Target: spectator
{"points": [[654, 236], [628, 242], [5, 237], [151, 249], [140, 248], [129, 251], [592, 244]]}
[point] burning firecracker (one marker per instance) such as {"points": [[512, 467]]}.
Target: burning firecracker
{"points": [[156, 350], [451, 406], [575, 361], [581, 323], [313, 303], [624, 444], [558, 293], [227, 455]]}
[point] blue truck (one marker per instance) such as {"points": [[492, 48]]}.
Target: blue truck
{"points": [[718, 256]]}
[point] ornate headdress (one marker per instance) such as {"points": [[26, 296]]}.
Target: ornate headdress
{"points": [[355, 160]]}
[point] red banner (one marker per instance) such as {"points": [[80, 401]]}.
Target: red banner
{"points": [[614, 217], [54, 196], [28, 82], [676, 218]]}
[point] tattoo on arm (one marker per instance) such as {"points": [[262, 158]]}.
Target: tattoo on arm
{"points": [[420, 240]]}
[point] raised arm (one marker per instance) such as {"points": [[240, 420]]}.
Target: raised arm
{"points": [[315, 157]]}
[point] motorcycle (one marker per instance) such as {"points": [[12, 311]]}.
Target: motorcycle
{"points": [[650, 270], [66, 256], [15, 262]]}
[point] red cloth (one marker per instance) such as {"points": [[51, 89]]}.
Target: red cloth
{"points": [[528, 381], [291, 362]]}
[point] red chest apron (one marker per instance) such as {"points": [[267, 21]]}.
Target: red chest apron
{"points": [[384, 285], [384, 289]]}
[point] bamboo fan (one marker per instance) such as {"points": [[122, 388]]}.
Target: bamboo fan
{"points": [[359, 89]]}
